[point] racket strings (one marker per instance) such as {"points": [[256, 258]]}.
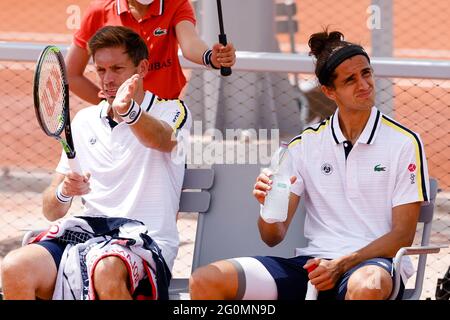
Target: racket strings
{"points": [[52, 94], [74, 237]]}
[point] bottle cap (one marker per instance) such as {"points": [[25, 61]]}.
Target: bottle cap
{"points": [[312, 268]]}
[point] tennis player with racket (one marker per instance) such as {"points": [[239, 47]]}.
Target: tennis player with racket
{"points": [[123, 146]]}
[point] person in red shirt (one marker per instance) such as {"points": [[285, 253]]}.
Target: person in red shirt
{"points": [[163, 24]]}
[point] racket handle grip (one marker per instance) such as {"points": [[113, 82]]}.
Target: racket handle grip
{"points": [[224, 71], [75, 166]]}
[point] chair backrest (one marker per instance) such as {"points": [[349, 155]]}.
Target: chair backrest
{"points": [[229, 229], [194, 195], [426, 211], [425, 217]]}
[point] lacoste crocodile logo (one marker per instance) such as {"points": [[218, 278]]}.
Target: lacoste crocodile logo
{"points": [[378, 168], [159, 32]]}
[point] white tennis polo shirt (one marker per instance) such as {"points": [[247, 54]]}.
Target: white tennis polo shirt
{"points": [[349, 191], [128, 179]]}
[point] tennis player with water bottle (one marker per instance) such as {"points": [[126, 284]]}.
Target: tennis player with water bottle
{"points": [[363, 177]]}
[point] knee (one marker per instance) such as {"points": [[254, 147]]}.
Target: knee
{"points": [[209, 282], [110, 279], [199, 282], [13, 268], [369, 284], [16, 279]]}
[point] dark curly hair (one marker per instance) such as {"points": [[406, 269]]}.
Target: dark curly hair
{"points": [[323, 45]]}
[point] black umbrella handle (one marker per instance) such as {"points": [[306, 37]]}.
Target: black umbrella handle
{"points": [[224, 71]]}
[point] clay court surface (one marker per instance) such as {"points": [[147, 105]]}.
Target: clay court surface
{"points": [[417, 24]]}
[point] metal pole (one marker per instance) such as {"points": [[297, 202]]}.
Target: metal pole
{"points": [[244, 100], [211, 82], [382, 46], [290, 5]]}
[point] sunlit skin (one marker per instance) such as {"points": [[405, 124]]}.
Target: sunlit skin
{"points": [[114, 67], [354, 94], [121, 81]]}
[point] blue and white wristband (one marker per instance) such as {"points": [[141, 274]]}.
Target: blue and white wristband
{"points": [[207, 59], [61, 197], [133, 113]]}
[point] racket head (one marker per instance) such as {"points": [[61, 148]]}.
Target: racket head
{"points": [[51, 92]]}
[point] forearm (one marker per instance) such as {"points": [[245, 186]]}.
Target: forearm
{"points": [[271, 233], [191, 45], [51, 207], [274, 233], [84, 88], [385, 246], [154, 133], [151, 132], [194, 50], [404, 222]]}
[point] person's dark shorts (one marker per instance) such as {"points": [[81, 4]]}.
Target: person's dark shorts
{"points": [[55, 247], [291, 279]]}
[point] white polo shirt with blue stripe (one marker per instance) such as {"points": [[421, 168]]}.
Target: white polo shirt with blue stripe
{"points": [[127, 178], [349, 191]]}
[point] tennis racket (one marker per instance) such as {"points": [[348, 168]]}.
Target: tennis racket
{"points": [[51, 100], [224, 71]]}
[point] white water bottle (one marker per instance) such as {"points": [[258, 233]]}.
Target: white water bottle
{"points": [[276, 203], [311, 291]]}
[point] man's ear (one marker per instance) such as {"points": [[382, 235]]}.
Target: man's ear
{"points": [[143, 67], [329, 92]]}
